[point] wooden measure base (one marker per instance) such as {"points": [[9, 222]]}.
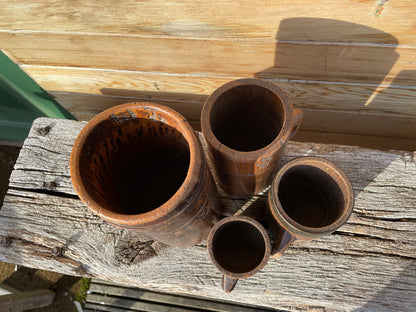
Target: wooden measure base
{"points": [[368, 264]]}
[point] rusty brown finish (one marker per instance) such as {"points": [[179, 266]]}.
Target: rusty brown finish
{"points": [[246, 124], [309, 197], [140, 166], [238, 247]]}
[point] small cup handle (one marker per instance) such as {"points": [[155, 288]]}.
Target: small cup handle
{"points": [[297, 117], [281, 243], [228, 283]]}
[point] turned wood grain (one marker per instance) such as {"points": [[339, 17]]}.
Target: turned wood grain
{"points": [[368, 264]]}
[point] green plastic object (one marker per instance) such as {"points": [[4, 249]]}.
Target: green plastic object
{"points": [[21, 101]]}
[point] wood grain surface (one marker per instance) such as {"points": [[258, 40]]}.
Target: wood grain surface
{"points": [[336, 61], [343, 20], [347, 56], [351, 113], [325, 95], [368, 264]]}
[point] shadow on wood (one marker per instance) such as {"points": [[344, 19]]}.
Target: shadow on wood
{"points": [[343, 91], [393, 294], [340, 61]]}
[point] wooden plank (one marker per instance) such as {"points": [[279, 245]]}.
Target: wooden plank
{"points": [[26, 300], [355, 97], [92, 307], [341, 111], [346, 62], [108, 289], [6, 290], [72, 102], [90, 105], [322, 126], [341, 121], [362, 140], [369, 264], [134, 305], [371, 21]]}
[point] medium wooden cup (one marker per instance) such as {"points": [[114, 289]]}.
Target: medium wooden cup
{"points": [[141, 167], [246, 124], [309, 197], [238, 247]]}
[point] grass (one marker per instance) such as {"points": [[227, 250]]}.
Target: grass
{"points": [[82, 293]]}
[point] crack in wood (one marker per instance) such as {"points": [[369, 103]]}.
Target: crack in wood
{"points": [[134, 252], [376, 218], [358, 253], [46, 192], [56, 252], [43, 170], [364, 236]]}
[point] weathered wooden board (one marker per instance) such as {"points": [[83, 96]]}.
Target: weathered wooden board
{"points": [[371, 21], [369, 264], [108, 296], [305, 60]]}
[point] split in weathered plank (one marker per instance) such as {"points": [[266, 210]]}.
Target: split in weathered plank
{"points": [[368, 264]]}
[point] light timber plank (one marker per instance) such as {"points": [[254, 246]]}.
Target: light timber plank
{"points": [[345, 62], [352, 97], [362, 140], [373, 21], [341, 121], [388, 131], [89, 105], [369, 264]]}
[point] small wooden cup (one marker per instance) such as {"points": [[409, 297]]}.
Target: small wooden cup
{"points": [[238, 247], [246, 124], [309, 197]]}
